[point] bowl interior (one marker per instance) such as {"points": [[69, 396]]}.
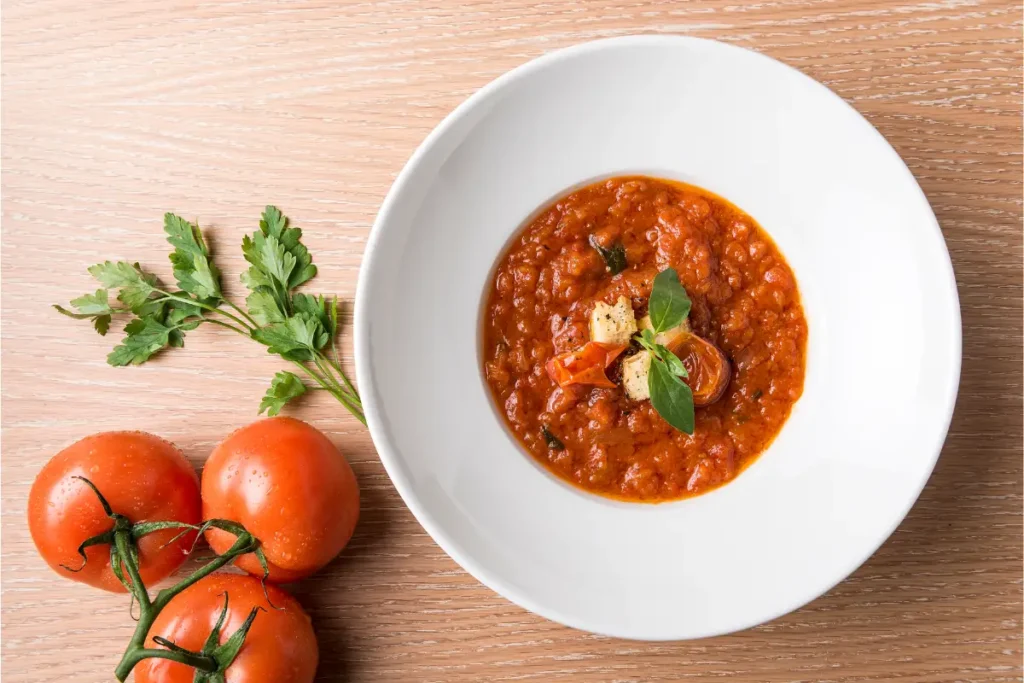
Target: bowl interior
{"points": [[877, 287]]}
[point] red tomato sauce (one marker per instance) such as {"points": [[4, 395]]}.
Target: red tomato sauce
{"points": [[745, 301]]}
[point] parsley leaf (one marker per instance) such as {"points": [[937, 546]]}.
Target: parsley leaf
{"points": [[314, 308], [280, 340], [160, 324], [297, 338], [283, 388], [275, 260], [279, 261], [276, 224], [298, 327], [93, 304], [670, 396], [95, 307], [191, 259], [668, 305], [135, 284], [101, 324], [263, 307], [182, 316], [143, 338], [295, 326]]}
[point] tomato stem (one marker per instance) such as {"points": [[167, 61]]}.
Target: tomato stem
{"points": [[122, 541], [196, 660], [124, 558], [149, 609], [245, 543]]}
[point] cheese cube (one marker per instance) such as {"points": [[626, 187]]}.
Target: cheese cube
{"points": [[613, 324], [634, 376]]}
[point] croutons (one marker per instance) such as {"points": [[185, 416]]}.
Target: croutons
{"points": [[669, 337], [613, 324], [634, 376]]}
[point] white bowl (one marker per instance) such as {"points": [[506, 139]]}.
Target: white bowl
{"points": [[883, 354]]}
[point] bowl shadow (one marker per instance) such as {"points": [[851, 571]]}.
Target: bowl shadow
{"points": [[330, 596]]}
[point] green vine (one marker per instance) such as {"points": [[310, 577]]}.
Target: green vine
{"points": [[214, 659]]}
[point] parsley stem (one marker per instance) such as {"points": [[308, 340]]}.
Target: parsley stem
{"points": [[242, 313], [352, 409], [341, 396], [330, 377], [229, 326], [336, 362], [354, 406], [207, 307]]}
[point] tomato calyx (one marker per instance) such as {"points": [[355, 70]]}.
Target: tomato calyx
{"points": [[124, 527], [211, 663]]}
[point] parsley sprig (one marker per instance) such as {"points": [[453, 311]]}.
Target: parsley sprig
{"points": [[301, 328], [668, 306]]}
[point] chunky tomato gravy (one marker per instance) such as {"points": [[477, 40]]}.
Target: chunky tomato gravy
{"points": [[745, 301]]}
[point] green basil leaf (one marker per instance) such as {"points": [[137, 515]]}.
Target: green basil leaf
{"points": [[670, 396], [553, 441], [672, 360], [614, 257], [669, 304]]}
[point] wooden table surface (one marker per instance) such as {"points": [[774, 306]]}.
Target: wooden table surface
{"points": [[114, 112]]}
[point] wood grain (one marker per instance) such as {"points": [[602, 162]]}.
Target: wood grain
{"points": [[113, 112]]}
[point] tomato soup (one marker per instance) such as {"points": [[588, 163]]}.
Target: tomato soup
{"points": [[744, 300]]}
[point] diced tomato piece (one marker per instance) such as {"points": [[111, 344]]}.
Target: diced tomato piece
{"points": [[586, 365]]}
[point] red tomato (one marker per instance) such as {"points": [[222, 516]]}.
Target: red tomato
{"points": [[290, 487], [584, 366], [143, 477], [279, 648]]}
